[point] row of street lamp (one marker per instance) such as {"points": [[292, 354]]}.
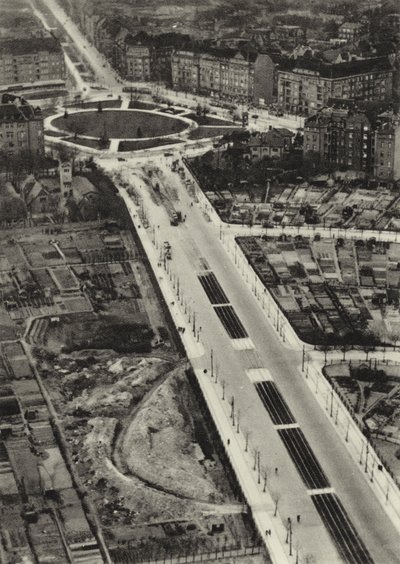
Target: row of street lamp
{"points": [[235, 415]]}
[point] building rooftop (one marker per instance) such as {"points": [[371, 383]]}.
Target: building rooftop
{"points": [[29, 45], [275, 137], [351, 25], [18, 110], [338, 70]]}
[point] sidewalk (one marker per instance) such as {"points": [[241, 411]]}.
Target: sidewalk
{"points": [[363, 454], [193, 348], [261, 504]]}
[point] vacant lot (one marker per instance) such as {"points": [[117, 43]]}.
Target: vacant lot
{"points": [[147, 456]]}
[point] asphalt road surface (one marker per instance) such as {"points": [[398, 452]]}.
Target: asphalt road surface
{"points": [[310, 457]]}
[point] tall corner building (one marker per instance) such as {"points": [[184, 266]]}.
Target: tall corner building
{"points": [[21, 128]]}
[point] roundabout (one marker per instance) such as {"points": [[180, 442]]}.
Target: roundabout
{"points": [[114, 130], [119, 124]]}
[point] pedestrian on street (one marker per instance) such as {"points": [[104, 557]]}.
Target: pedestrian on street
{"points": [[229, 442], [298, 518], [276, 471]]}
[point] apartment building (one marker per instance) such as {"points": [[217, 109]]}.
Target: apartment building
{"points": [[291, 34], [185, 70], [350, 31], [310, 83], [34, 61], [226, 73], [340, 138], [137, 61], [387, 148], [145, 57], [21, 127], [348, 139]]}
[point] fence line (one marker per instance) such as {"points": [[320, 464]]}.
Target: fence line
{"points": [[358, 444], [216, 554]]}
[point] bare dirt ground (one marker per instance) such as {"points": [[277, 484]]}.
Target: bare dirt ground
{"points": [[142, 449]]}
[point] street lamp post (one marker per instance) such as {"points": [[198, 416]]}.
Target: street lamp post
{"points": [[366, 459]]}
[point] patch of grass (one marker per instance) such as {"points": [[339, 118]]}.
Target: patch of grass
{"points": [[51, 133], [119, 124], [140, 105], [206, 132], [146, 144], [209, 120], [94, 105], [46, 94], [118, 336], [92, 143]]}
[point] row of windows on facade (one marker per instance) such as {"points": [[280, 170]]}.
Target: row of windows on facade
{"points": [[353, 78], [29, 58], [10, 135], [223, 78], [19, 134], [349, 157]]}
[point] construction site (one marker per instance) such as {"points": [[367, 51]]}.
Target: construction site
{"points": [[107, 451]]}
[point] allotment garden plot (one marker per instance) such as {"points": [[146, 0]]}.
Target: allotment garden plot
{"points": [[332, 291]]}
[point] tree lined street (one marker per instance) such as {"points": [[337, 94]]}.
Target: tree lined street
{"points": [[235, 349], [196, 249]]}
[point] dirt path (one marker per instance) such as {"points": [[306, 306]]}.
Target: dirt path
{"points": [[117, 447], [120, 467]]}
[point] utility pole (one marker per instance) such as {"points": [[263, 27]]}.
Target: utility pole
{"points": [[366, 459], [247, 436], [255, 459], [212, 363]]}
